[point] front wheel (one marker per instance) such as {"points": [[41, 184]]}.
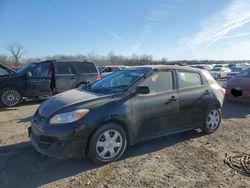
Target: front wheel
{"points": [[10, 97], [212, 121], [107, 144]]}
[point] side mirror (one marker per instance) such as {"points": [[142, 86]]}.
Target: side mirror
{"points": [[29, 74], [142, 90]]}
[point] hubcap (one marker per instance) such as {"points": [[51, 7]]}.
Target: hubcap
{"points": [[10, 97], [109, 144], [213, 120]]}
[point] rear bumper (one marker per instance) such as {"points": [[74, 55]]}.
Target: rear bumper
{"points": [[57, 146]]}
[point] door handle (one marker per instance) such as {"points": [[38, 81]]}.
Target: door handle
{"points": [[73, 78], [171, 100]]}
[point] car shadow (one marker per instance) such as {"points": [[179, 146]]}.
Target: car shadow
{"points": [[234, 109], [24, 167], [24, 103], [25, 120]]}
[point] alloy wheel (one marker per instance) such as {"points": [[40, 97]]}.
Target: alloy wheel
{"points": [[213, 120], [10, 97]]}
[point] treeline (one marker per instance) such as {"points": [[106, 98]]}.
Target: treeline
{"points": [[110, 59], [16, 59]]}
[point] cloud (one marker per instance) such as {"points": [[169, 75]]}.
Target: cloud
{"points": [[237, 35], [89, 21], [150, 21], [235, 15]]}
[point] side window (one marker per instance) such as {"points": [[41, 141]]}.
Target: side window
{"points": [[159, 82], [62, 68], [43, 69], [114, 69], [189, 79], [108, 69], [85, 67]]}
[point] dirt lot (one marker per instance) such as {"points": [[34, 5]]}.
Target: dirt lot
{"points": [[191, 159]]}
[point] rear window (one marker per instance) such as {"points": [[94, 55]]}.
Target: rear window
{"points": [[85, 67], [189, 79]]}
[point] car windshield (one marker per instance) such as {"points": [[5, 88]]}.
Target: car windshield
{"points": [[117, 81], [216, 69], [244, 73], [237, 69], [3, 72], [100, 68], [27, 68]]}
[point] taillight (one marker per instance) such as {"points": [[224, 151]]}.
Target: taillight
{"points": [[223, 91], [98, 76]]}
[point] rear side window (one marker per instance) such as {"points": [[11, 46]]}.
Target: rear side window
{"points": [[159, 82], [85, 67], [189, 79], [62, 68]]}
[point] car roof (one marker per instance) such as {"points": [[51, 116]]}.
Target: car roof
{"points": [[163, 67], [61, 61]]}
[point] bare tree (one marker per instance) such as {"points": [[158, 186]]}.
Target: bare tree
{"points": [[16, 51]]}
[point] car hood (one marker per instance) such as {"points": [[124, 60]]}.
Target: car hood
{"points": [[242, 82], [9, 77], [70, 98]]}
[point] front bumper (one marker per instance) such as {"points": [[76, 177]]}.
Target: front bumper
{"points": [[57, 145]]}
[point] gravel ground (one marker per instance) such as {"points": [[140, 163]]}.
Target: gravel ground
{"points": [[190, 159]]}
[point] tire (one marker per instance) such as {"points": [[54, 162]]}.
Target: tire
{"points": [[102, 148], [10, 97], [212, 121], [81, 85]]}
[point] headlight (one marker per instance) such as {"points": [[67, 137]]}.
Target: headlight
{"points": [[68, 117]]}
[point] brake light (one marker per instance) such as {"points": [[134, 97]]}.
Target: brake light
{"points": [[223, 91], [98, 76]]}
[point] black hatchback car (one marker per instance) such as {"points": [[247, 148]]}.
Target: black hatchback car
{"points": [[44, 79], [125, 108]]}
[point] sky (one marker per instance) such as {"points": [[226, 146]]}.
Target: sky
{"points": [[171, 29]]}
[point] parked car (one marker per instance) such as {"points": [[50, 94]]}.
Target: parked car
{"points": [[202, 66], [221, 65], [238, 87], [220, 72], [37, 80], [109, 69], [235, 70], [125, 108]]}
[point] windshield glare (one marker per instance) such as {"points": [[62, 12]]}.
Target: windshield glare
{"points": [[117, 81]]}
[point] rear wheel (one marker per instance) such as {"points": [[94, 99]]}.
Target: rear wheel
{"points": [[81, 85], [107, 144], [212, 121], [10, 97]]}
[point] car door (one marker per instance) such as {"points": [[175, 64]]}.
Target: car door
{"points": [[38, 81], [157, 112], [195, 97], [65, 77]]}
